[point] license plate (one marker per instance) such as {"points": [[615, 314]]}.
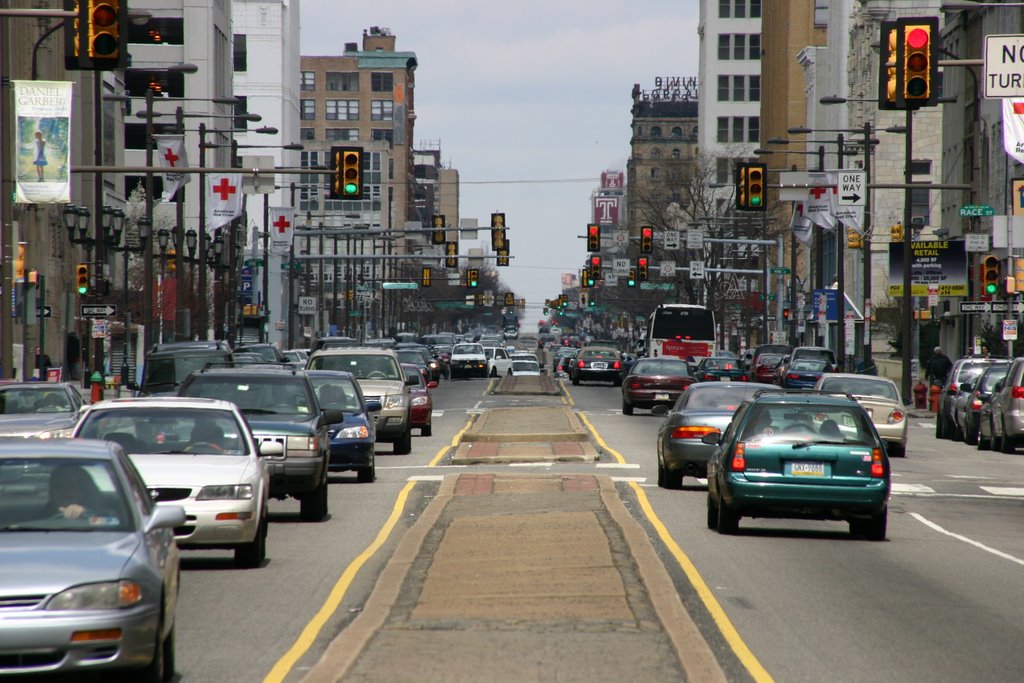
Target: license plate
{"points": [[600, 366], [661, 397], [724, 378], [807, 469]]}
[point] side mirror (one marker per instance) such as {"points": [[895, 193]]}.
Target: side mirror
{"points": [[332, 416], [166, 517], [712, 439], [373, 406], [269, 448]]}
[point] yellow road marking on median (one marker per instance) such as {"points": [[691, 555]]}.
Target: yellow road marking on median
{"points": [[567, 397], [729, 632], [309, 634], [454, 444]]}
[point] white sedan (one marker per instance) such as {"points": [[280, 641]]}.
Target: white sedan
{"points": [[525, 367], [197, 453]]}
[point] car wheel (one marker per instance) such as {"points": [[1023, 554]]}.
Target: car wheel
{"points": [[313, 505], [575, 382], [872, 529], [938, 427], [627, 409], [712, 513], [970, 436], [403, 446], [897, 450], [366, 475], [252, 554], [161, 667], [494, 372], [728, 519], [1007, 444], [427, 429]]}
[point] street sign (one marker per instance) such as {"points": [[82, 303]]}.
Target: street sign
{"points": [[620, 267], [1009, 330], [696, 270], [98, 310], [46, 312], [989, 307], [972, 210], [975, 242], [307, 305], [779, 271], [695, 238], [851, 188], [671, 239], [667, 268], [400, 285], [1003, 54]]}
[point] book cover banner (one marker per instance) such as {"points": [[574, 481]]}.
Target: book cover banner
{"points": [[43, 142]]}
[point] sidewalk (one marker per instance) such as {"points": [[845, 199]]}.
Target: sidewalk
{"points": [[512, 577]]}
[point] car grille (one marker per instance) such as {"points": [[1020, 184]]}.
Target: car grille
{"points": [[30, 660], [12, 602], [166, 494], [367, 397]]}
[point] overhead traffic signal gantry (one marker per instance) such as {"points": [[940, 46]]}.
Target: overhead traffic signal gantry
{"points": [[347, 176], [593, 238]]}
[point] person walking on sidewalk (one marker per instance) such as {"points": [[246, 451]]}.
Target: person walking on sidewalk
{"points": [[939, 367]]}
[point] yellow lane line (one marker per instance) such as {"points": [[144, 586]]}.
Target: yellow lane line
{"points": [[454, 444], [729, 632], [567, 398], [309, 634]]}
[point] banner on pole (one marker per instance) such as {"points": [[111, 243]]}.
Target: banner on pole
{"points": [[42, 110]]}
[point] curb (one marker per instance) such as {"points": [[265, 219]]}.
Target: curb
{"points": [[477, 432]]}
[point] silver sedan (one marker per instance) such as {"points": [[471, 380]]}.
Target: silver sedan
{"points": [[881, 399]]}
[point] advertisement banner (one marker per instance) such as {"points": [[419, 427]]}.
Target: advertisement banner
{"points": [[281, 230], [42, 110], [940, 264]]}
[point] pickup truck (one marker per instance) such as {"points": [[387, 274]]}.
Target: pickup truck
{"points": [[499, 363], [468, 360]]}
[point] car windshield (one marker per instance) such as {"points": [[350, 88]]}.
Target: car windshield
{"points": [[255, 395], [661, 367], [362, 366], [719, 364], [410, 356], [172, 370], [468, 349], [61, 494], [808, 424], [335, 394], [21, 401], [167, 429], [814, 354], [862, 386]]}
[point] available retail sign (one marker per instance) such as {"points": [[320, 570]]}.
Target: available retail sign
{"points": [[42, 110]]}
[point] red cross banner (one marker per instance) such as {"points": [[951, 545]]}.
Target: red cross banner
{"points": [[223, 199], [170, 153], [282, 221], [818, 207], [1013, 128], [800, 224]]}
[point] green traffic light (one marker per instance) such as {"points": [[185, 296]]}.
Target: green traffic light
{"points": [[755, 201], [83, 290], [351, 188], [991, 288]]}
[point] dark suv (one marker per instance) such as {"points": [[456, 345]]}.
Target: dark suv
{"points": [[280, 406], [167, 365]]}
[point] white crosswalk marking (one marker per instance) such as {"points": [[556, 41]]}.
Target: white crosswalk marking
{"points": [[911, 488], [1003, 490]]}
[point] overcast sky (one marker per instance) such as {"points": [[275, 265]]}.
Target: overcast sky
{"points": [[527, 90]]}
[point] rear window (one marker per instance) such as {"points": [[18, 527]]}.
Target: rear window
{"points": [[661, 367], [861, 387], [821, 354], [257, 395], [468, 349], [808, 422], [716, 398], [368, 366], [993, 377], [970, 371]]}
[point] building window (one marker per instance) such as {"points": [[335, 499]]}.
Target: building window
{"points": [[307, 134], [677, 153], [740, 11], [344, 82], [738, 126], [241, 122], [723, 129], [240, 57], [382, 81], [723, 88], [755, 9], [724, 9], [158, 31], [342, 134], [723, 167], [307, 80], [739, 46], [655, 131], [919, 207], [382, 135], [341, 110], [308, 111], [382, 110], [724, 46], [739, 89], [677, 131], [654, 174], [755, 46], [755, 89], [655, 153], [754, 129], [920, 167]]}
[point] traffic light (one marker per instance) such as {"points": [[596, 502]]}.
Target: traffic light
{"points": [[347, 176], [854, 240], [498, 221], [591, 302], [425, 274], [646, 239], [750, 179], [641, 268], [503, 255], [498, 239], [451, 253], [510, 299], [584, 299], [896, 232], [991, 270], [1010, 284], [785, 314], [920, 64], [741, 185], [472, 277], [82, 278], [593, 238], [595, 267], [887, 66], [72, 36], [172, 261], [631, 278], [437, 235], [104, 31]]}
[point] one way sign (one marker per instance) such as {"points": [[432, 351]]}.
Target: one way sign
{"points": [[851, 188]]}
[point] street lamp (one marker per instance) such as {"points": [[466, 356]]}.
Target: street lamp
{"points": [[116, 240]]}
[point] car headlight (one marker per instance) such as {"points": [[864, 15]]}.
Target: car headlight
{"points": [[394, 401], [301, 443], [109, 595], [226, 492], [433, 364], [56, 433], [360, 432], [419, 401]]}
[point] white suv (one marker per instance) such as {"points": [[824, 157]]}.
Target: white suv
{"points": [[468, 360], [499, 363]]}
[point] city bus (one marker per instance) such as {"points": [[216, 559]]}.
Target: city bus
{"points": [[681, 330]]}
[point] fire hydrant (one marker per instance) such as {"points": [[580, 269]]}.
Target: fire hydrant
{"points": [[920, 392], [96, 381], [933, 398]]}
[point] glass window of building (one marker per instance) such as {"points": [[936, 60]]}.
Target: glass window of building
{"points": [[755, 9], [723, 129], [346, 134], [307, 134], [242, 108], [655, 153], [724, 9], [677, 153], [723, 88], [677, 131], [739, 46], [754, 129], [724, 46], [341, 110], [241, 61], [655, 131], [158, 31], [754, 40], [738, 125], [723, 167], [308, 110], [382, 134], [382, 110], [755, 89], [307, 80], [347, 81], [739, 88], [740, 10], [382, 81]]}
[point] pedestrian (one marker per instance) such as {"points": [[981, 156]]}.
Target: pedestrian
{"points": [[939, 366]]}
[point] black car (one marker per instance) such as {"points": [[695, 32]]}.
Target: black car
{"points": [[269, 352], [167, 365], [281, 406], [597, 364]]}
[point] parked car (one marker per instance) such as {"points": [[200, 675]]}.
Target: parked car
{"points": [[654, 381], [963, 368], [1007, 420], [85, 551], [720, 369], [704, 408], [880, 397], [38, 409], [198, 453], [596, 364], [964, 401], [380, 376], [420, 399], [978, 413], [281, 407], [808, 456], [353, 438], [804, 373]]}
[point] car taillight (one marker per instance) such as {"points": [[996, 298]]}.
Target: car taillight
{"points": [[739, 461], [634, 384], [743, 378], [1017, 392], [580, 364], [952, 388], [792, 375], [975, 401], [616, 365], [707, 376], [694, 432], [896, 416], [877, 468]]}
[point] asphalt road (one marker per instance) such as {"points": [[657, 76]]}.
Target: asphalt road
{"points": [[789, 601]]}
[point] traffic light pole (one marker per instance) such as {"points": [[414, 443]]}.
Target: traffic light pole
{"points": [[909, 347]]}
